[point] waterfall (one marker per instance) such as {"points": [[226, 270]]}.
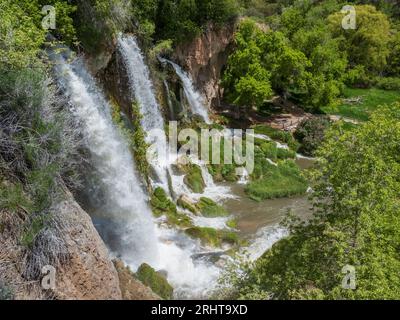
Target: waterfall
{"points": [[169, 101], [142, 89], [129, 226], [194, 98], [190, 278]]}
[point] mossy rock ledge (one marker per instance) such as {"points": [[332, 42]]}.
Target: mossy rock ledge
{"points": [[213, 237], [210, 209], [162, 205], [205, 206], [194, 179], [155, 281]]}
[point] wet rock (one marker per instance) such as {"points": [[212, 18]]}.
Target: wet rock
{"points": [[148, 276], [131, 287], [187, 203], [205, 57], [210, 209], [194, 179]]}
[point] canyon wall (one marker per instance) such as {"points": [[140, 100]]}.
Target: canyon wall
{"points": [[205, 57]]}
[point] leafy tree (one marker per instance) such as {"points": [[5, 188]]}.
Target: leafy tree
{"points": [[393, 67], [368, 44], [311, 133], [20, 37], [356, 222], [246, 79]]}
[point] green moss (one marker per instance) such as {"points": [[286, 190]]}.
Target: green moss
{"points": [[187, 205], [269, 181], [139, 141], [232, 224], [213, 237], [194, 179], [163, 206], [148, 276], [136, 138], [210, 209], [269, 150], [275, 134], [285, 154]]}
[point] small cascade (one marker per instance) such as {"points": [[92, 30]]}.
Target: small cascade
{"points": [[264, 239], [244, 178], [169, 101], [127, 225], [194, 98]]}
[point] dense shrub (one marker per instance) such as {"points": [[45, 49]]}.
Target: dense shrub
{"points": [[388, 83], [310, 133]]}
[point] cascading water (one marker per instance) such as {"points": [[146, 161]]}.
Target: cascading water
{"points": [[169, 101], [190, 277], [123, 216], [129, 226], [142, 89], [194, 97]]}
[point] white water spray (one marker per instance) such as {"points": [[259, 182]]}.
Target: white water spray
{"points": [[142, 89], [124, 203], [194, 98], [190, 277]]}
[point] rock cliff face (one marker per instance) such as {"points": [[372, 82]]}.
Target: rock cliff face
{"points": [[131, 288], [83, 268], [90, 273], [205, 57], [115, 80]]}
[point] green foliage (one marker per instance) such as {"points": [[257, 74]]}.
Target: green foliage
{"points": [[393, 67], [21, 47], [212, 237], [356, 221], [182, 20], [279, 135], [369, 100], [98, 21], [136, 138], [39, 142], [388, 83], [13, 198], [139, 141], [194, 178], [162, 48], [269, 181], [283, 154], [368, 45], [32, 229], [300, 61], [310, 133], [307, 60], [148, 276], [210, 209], [162, 205]]}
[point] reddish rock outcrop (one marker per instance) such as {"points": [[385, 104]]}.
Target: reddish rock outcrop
{"points": [[205, 57]]}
